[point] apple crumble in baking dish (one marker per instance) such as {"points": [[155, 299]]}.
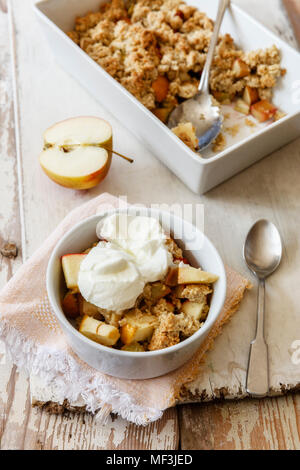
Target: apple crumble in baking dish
{"points": [[135, 292], [157, 49]]}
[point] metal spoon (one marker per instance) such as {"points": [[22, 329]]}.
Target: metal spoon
{"points": [[200, 110], [262, 253]]}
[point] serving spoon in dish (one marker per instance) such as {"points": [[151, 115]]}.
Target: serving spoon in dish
{"points": [[200, 110], [262, 253]]}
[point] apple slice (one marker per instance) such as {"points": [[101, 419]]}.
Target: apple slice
{"points": [[250, 95], [263, 110], [86, 308], [77, 152], [133, 347], [137, 328], [221, 96], [161, 88], [158, 291], [240, 68], [242, 107], [70, 305], [189, 275], [162, 113], [193, 309], [98, 331], [71, 264]]}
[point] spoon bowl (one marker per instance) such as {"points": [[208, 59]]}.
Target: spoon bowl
{"points": [[263, 248], [204, 116]]}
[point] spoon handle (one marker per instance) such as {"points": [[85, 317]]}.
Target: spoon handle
{"points": [[257, 382], [204, 82]]}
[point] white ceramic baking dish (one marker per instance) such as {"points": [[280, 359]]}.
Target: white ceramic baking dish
{"points": [[199, 174], [143, 365]]}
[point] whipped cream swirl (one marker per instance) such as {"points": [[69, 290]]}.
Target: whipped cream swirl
{"points": [[114, 273]]}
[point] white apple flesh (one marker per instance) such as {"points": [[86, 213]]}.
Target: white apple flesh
{"points": [[73, 155]]}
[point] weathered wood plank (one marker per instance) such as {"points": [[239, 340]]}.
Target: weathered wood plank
{"points": [[81, 432], [10, 229], [273, 15], [271, 424], [293, 9]]}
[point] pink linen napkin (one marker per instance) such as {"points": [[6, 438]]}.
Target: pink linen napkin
{"points": [[35, 341]]}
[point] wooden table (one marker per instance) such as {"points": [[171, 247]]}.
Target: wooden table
{"points": [[31, 206]]}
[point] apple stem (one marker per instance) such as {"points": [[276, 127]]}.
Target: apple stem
{"points": [[130, 160], [67, 148]]}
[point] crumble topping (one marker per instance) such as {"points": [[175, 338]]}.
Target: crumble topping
{"points": [[219, 143], [157, 50]]}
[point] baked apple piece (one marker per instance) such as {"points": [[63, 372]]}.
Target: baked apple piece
{"points": [[160, 87], [162, 114], [71, 264], [158, 291], [86, 308], [263, 110], [189, 275], [242, 107], [240, 68], [250, 95], [193, 309], [133, 347], [70, 305], [99, 331], [136, 327]]}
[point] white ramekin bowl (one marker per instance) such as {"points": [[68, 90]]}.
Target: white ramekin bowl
{"points": [[131, 365]]}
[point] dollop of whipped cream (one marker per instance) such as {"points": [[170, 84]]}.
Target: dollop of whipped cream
{"points": [[114, 273], [109, 279], [142, 238]]}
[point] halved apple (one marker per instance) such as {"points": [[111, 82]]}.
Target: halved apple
{"points": [[73, 154]]}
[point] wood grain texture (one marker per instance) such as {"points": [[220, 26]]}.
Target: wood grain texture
{"points": [[271, 424], [10, 229], [34, 429], [269, 188], [293, 10]]}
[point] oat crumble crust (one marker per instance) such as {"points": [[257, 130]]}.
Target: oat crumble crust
{"points": [[168, 38]]}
